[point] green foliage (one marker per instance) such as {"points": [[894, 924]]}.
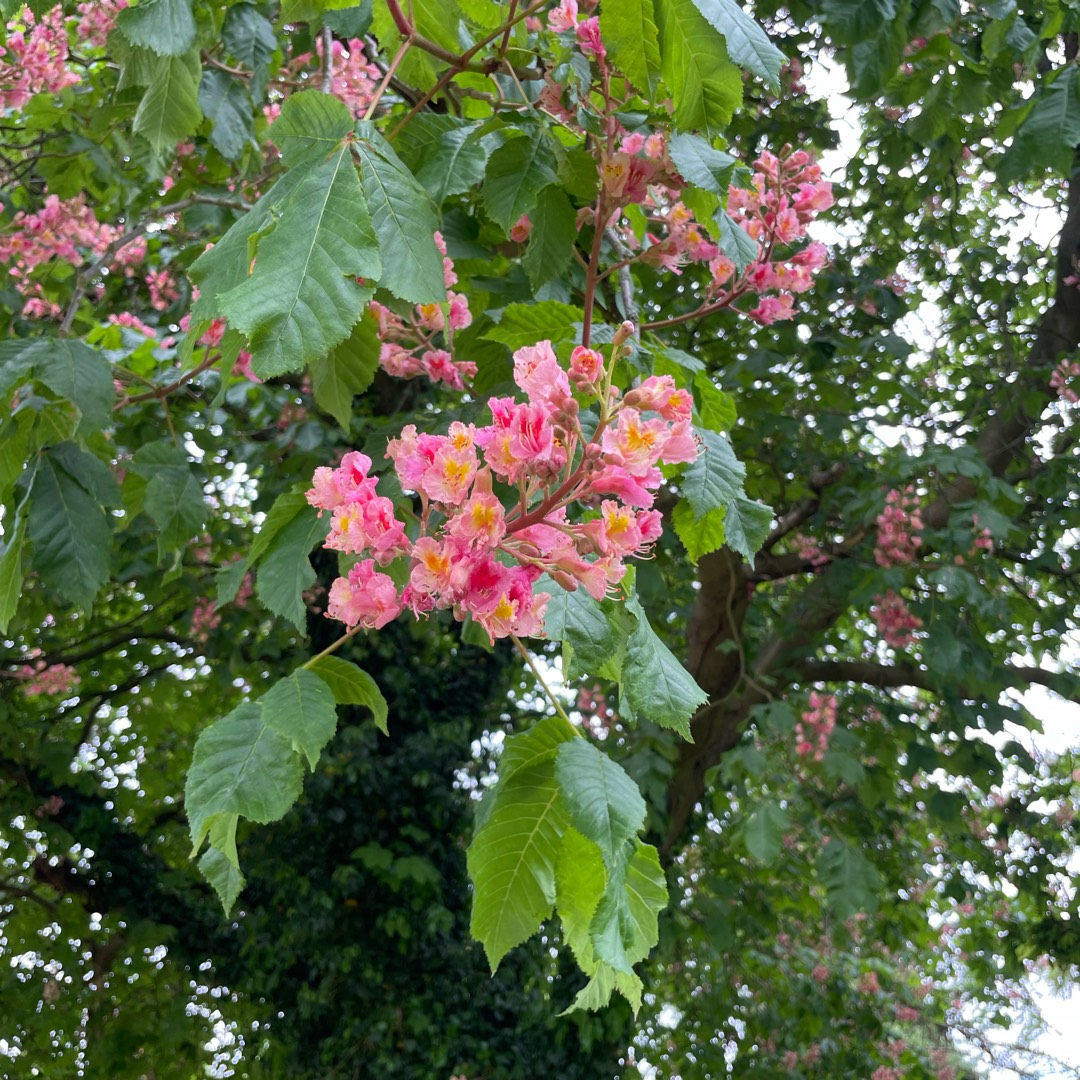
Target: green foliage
{"points": [[141, 476]]}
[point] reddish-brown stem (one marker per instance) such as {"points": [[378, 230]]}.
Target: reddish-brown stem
{"points": [[700, 313], [405, 28], [163, 392]]}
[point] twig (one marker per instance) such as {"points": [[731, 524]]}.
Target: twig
{"points": [[540, 679]]}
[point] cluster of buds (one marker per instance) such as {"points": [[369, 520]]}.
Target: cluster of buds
{"points": [[204, 619], [894, 621], [408, 345], [41, 679], [479, 548], [815, 728], [898, 525], [33, 58]]}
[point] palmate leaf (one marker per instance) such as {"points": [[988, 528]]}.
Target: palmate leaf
{"points": [[1048, 136], [851, 882], [701, 165], [624, 927], [699, 536], [629, 32], [174, 495], [552, 238], [169, 110], [443, 153], [596, 631], [241, 766], [249, 38], [655, 686], [352, 686], [512, 859], [12, 571], [310, 127], [226, 103], [285, 570], [705, 86], [165, 26], [715, 480], [69, 368], [404, 219], [601, 800], [516, 174], [303, 298], [302, 708], [525, 324], [347, 370], [747, 43], [68, 524]]}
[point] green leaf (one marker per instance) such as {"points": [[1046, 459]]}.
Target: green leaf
{"points": [[226, 879], [12, 571], [405, 222], [716, 407], [734, 242], [624, 928], [699, 536], [596, 631], [225, 101], [302, 708], [654, 684], [580, 878], [226, 265], [248, 36], [715, 478], [747, 43], [310, 127], [69, 368], [701, 165], [302, 298], [165, 26], [516, 174], [285, 571], [284, 509], [443, 153], [628, 29], [174, 494], [1048, 137], [552, 238], [764, 831], [69, 529], [347, 370], [512, 859], [526, 324], [240, 766], [352, 686], [601, 800], [705, 86], [169, 110], [747, 524], [851, 882]]}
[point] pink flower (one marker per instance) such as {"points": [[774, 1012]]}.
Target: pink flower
{"points": [[519, 231], [365, 597], [539, 374], [588, 37], [564, 17]]}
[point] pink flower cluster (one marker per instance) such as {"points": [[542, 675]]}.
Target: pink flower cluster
{"points": [[898, 526], [894, 621], [162, 286], [480, 553], [814, 729], [35, 61], [204, 619], [408, 347], [787, 192], [354, 78], [807, 548], [1065, 379], [96, 21], [47, 679], [62, 229], [564, 20]]}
